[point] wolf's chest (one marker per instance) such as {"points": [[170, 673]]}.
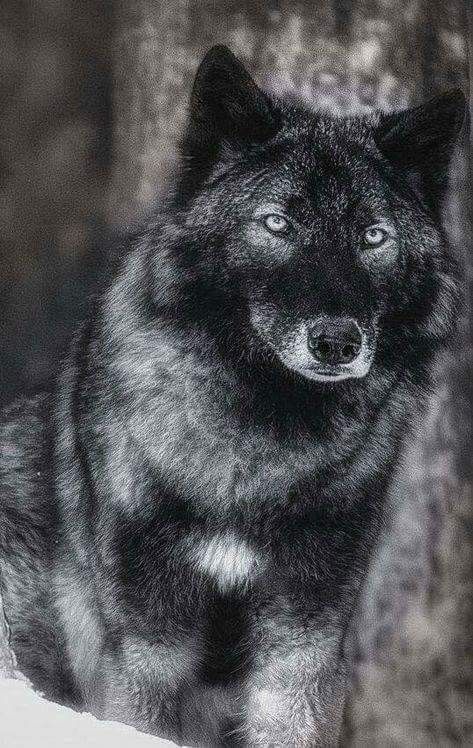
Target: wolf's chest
{"points": [[223, 467], [213, 450], [225, 558]]}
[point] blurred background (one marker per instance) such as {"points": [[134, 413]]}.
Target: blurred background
{"points": [[93, 98]]}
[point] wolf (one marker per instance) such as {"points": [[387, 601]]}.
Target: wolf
{"points": [[187, 518]]}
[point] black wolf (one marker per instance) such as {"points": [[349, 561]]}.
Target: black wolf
{"points": [[187, 519]]}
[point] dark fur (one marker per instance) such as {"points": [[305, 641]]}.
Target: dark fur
{"points": [[175, 422]]}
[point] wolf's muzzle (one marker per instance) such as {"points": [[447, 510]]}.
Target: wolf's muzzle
{"points": [[334, 340]]}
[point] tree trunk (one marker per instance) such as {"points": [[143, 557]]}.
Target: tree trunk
{"points": [[54, 83], [413, 643]]}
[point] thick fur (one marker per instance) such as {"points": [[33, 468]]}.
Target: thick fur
{"points": [[187, 520]]}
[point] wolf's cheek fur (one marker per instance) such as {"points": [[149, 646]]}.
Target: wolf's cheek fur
{"points": [[261, 247]]}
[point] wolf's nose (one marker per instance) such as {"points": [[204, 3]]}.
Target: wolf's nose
{"points": [[334, 340]]}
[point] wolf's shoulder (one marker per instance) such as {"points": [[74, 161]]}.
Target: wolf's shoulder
{"points": [[23, 425]]}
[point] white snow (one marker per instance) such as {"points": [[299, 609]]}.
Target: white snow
{"points": [[26, 719]]}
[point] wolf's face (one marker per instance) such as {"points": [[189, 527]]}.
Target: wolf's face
{"points": [[323, 231]]}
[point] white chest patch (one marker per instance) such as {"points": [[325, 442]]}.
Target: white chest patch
{"points": [[227, 558]]}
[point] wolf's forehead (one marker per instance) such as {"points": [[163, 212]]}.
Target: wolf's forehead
{"points": [[323, 160], [325, 183], [331, 138], [329, 163]]}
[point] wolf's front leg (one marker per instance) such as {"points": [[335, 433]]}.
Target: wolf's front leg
{"points": [[140, 685], [295, 695]]}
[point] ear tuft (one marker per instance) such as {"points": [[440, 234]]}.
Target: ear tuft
{"points": [[420, 141], [227, 105]]}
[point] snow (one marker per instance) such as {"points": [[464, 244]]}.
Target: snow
{"points": [[26, 719]]}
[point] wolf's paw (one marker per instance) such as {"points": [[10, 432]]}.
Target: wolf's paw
{"points": [[277, 721]]}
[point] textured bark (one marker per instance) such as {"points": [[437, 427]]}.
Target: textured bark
{"points": [[413, 647]]}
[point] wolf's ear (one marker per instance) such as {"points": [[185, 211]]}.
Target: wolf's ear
{"points": [[226, 105], [420, 141]]}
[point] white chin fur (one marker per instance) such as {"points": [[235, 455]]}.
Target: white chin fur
{"points": [[317, 377], [356, 370]]}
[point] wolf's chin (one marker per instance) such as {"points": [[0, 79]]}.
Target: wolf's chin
{"points": [[336, 376], [358, 369]]}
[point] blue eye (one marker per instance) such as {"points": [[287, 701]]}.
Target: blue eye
{"points": [[375, 237], [276, 224]]}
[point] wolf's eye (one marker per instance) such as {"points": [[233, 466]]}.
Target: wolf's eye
{"points": [[375, 237], [276, 224]]}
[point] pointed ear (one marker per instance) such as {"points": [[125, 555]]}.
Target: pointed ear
{"points": [[420, 142], [226, 105]]}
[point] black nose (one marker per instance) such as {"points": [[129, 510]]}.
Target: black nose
{"points": [[334, 340]]}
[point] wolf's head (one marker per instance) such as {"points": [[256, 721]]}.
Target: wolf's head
{"points": [[321, 233]]}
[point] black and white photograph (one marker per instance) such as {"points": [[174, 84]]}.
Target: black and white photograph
{"points": [[236, 374]]}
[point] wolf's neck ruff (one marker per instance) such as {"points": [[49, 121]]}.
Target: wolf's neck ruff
{"points": [[226, 440]]}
